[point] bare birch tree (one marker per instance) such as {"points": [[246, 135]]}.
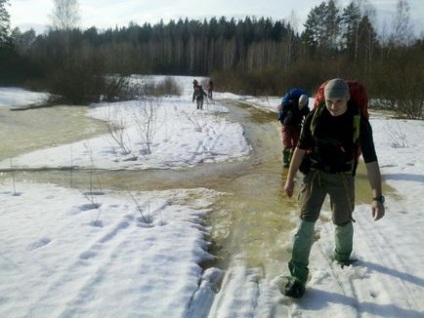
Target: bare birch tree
{"points": [[402, 29], [65, 15]]}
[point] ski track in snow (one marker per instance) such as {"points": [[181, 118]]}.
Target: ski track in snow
{"points": [[106, 243], [354, 290], [364, 289], [100, 254]]}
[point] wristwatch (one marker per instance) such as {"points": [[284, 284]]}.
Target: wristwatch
{"points": [[380, 199]]}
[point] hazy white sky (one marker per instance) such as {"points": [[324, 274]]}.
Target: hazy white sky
{"points": [[110, 13]]}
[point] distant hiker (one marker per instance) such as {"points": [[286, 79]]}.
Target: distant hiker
{"points": [[195, 83], [210, 89], [198, 95], [291, 112], [329, 143]]}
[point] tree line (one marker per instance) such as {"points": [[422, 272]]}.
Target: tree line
{"points": [[250, 56]]}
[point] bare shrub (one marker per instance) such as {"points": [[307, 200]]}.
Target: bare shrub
{"points": [[116, 126], [79, 82], [269, 82], [145, 114], [399, 87], [412, 108], [166, 87], [117, 87], [145, 214], [396, 135], [200, 120], [12, 170], [91, 194]]}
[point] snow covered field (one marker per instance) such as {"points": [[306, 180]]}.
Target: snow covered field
{"points": [[65, 253]]}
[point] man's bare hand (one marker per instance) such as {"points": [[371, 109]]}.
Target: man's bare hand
{"points": [[377, 210], [289, 188]]}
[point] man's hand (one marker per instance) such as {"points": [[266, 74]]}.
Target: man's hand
{"points": [[294, 167], [374, 176], [289, 188], [377, 210]]}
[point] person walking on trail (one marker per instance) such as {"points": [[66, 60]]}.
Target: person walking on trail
{"points": [[210, 89], [328, 136], [291, 112], [195, 83], [198, 96]]}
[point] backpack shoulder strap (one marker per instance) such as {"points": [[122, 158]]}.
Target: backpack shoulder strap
{"points": [[356, 127], [315, 117], [356, 112]]}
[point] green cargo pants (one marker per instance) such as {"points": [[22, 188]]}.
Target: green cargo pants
{"points": [[341, 189]]}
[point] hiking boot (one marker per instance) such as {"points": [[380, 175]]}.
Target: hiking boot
{"points": [[344, 262], [294, 288], [347, 263]]}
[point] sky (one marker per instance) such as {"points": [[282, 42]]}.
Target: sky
{"points": [[66, 253], [108, 14]]}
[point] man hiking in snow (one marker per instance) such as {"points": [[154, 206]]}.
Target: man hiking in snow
{"points": [[210, 89], [195, 83], [291, 112], [199, 95], [327, 141]]}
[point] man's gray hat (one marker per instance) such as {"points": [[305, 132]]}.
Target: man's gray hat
{"points": [[336, 88], [304, 99]]}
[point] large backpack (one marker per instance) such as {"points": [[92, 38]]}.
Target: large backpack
{"points": [[292, 96], [358, 94], [289, 99], [358, 98]]}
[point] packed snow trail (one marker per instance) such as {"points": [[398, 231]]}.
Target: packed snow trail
{"points": [[58, 246]]}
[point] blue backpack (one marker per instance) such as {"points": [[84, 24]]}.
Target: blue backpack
{"points": [[292, 96], [289, 99]]}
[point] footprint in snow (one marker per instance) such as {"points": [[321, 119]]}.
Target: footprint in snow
{"points": [[38, 243], [373, 294], [87, 255]]}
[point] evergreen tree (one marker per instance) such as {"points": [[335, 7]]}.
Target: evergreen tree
{"points": [[322, 29], [22, 41], [314, 33], [350, 20], [367, 43], [4, 22], [331, 27]]}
